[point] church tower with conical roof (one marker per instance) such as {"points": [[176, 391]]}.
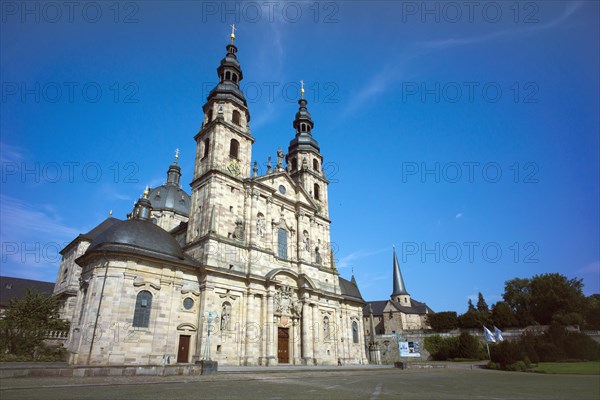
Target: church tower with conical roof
{"points": [[223, 153], [399, 292], [304, 159]]}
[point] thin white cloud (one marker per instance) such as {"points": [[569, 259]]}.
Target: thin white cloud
{"points": [[10, 153], [385, 78], [31, 237], [591, 268], [570, 8], [348, 260], [21, 220], [109, 192], [459, 215]]}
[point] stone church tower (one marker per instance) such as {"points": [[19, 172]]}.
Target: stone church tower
{"points": [[245, 278]]}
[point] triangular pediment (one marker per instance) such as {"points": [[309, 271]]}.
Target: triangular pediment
{"points": [[291, 191]]}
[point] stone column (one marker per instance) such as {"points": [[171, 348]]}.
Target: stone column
{"points": [[263, 331], [306, 353], [316, 333], [374, 352], [271, 333], [294, 356], [251, 221], [250, 339], [362, 340], [269, 237], [298, 236]]}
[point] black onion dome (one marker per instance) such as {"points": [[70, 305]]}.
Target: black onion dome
{"points": [[303, 124], [137, 236], [170, 198]]}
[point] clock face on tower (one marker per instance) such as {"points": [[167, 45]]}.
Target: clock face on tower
{"points": [[234, 168], [281, 189]]}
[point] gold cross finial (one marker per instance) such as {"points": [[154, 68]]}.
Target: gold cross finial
{"points": [[110, 213], [232, 36], [176, 154], [146, 192], [302, 89]]}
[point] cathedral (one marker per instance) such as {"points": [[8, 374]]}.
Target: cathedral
{"points": [[239, 272]]}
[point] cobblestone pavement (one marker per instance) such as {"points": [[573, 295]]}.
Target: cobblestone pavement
{"points": [[367, 383]]}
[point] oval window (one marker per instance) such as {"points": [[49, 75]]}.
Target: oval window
{"points": [[188, 303]]}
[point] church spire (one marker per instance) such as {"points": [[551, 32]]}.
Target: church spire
{"points": [[399, 288], [230, 75], [303, 124], [174, 172]]}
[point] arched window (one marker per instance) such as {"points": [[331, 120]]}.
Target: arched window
{"points": [[209, 116], [206, 148], [225, 316], [235, 118], [282, 243], [316, 165], [234, 148], [326, 329], [316, 192], [355, 332], [143, 306], [294, 164], [235, 78], [227, 75]]}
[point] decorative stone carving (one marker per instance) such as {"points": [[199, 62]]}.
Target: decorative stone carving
{"points": [[280, 157], [306, 241], [260, 225], [239, 229], [286, 302]]}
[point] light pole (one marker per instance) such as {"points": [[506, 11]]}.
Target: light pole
{"points": [[209, 316]]}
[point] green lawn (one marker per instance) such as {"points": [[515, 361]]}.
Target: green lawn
{"points": [[578, 368]]}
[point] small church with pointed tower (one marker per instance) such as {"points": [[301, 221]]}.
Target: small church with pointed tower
{"points": [[400, 313], [239, 271]]}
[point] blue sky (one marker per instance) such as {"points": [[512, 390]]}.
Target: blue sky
{"points": [[467, 138]]}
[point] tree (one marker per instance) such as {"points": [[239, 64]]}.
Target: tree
{"points": [[443, 321], [470, 320], [517, 295], [545, 298], [27, 322], [592, 312], [502, 315], [482, 306], [471, 307], [553, 294]]}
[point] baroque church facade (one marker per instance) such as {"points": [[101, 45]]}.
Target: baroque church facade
{"points": [[240, 272]]}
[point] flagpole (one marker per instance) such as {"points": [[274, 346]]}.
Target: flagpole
{"points": [[487, 345]]}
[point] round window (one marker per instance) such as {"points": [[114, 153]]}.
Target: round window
{"points": [[188, 303], [281, 189]]}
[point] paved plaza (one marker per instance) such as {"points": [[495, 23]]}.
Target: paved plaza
{"points": [[365, 383]]}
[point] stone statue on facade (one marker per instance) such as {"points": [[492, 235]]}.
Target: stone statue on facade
{"points": [[260, 225]]}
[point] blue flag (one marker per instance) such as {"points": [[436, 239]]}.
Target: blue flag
{"points": [[489, 336]]}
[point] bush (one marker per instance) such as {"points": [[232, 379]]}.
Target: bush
{"points": [[506, 353], [440, 348], [519, 366], [469, 347]]}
